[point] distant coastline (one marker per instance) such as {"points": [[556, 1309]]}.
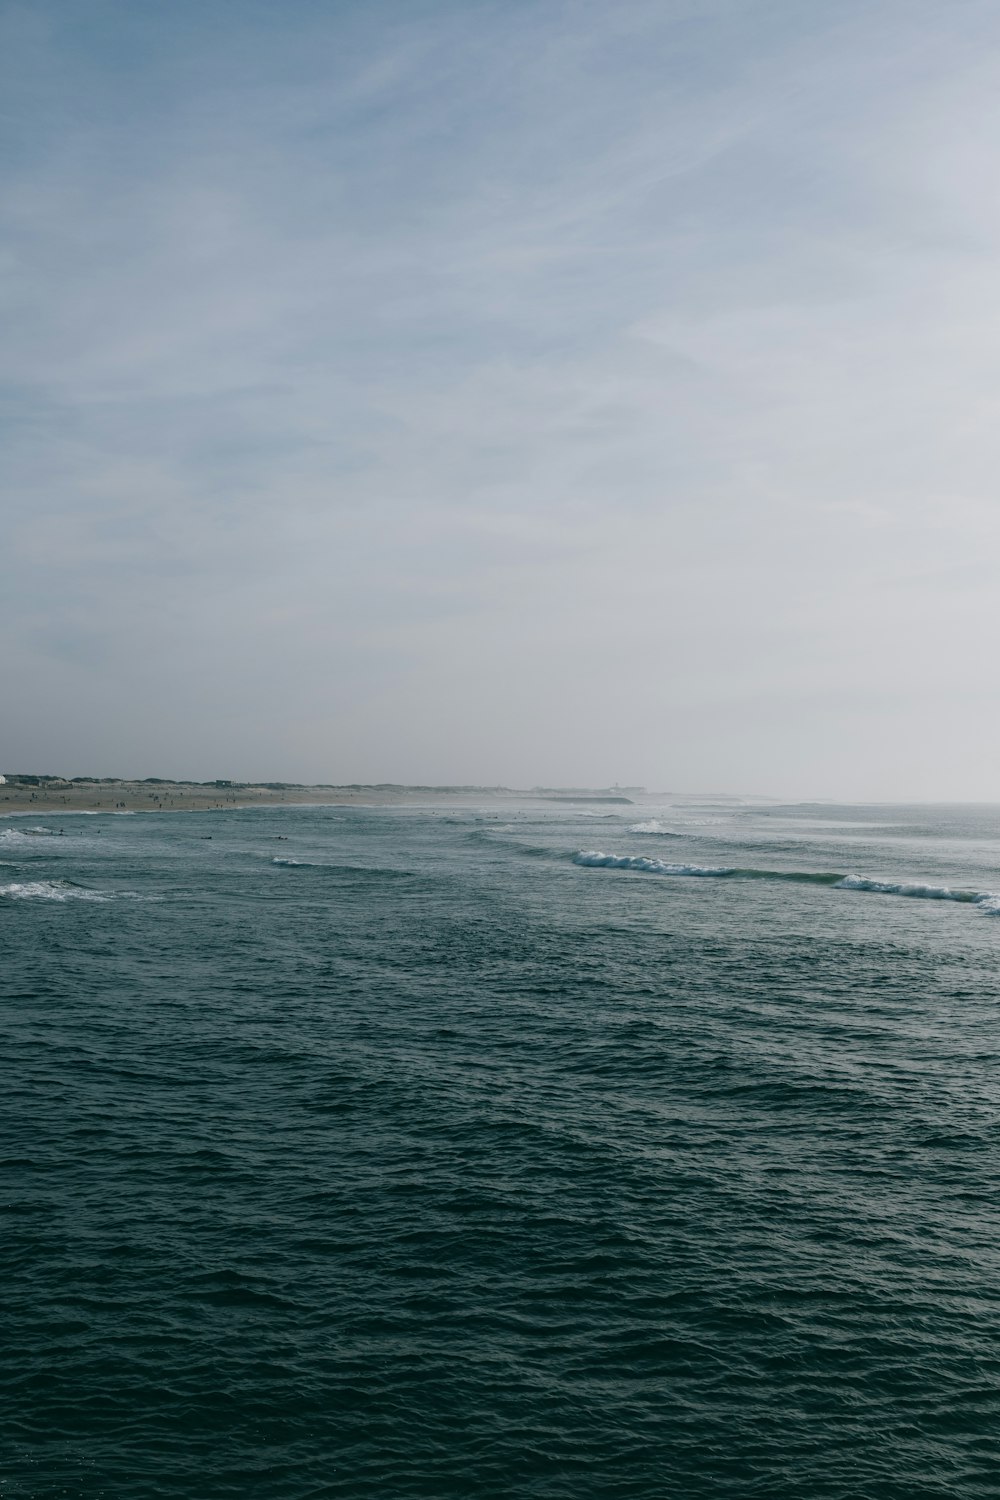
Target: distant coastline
{"points": [[53, 794]]}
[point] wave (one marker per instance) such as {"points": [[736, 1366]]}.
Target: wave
{"points": [[352, 872], [987, 901], [50, 890], [24, 835], [651, 866], [653, 826], [915, 889]]}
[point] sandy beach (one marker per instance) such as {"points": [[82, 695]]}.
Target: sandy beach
{"points": [[53, 795]]}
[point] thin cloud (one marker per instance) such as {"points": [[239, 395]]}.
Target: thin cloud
{"points": [[503, 393]]}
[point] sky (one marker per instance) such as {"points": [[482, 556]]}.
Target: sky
{"points": [[507, 393]]}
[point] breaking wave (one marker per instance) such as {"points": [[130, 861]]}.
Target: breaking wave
{"points": [[281, 860], [915, 889], [49, 890], [987, 901], [651, 866], [653, 826], [65, 890]]}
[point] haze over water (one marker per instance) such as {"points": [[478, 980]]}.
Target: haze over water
{"points": [[502, 1149]]}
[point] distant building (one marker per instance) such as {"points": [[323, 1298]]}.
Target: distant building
{"points": [[3, 781]]}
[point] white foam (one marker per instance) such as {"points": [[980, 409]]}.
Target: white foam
{"points": [[48, 890], [278, 860], [989, 901], [595, 857], [653, 826]]}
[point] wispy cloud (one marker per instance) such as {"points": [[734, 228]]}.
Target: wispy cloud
{"points": [[503, 392]]}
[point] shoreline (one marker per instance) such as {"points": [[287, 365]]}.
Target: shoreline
{"points": [[179, 796]]}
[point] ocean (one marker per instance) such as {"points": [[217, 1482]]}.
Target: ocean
{"points": [[501, 1150]]}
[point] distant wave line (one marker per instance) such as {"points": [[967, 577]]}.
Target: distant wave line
{"points": [[987, 901]]}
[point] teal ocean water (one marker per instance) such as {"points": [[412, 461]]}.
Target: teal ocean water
{"points": [[501, 1150]]}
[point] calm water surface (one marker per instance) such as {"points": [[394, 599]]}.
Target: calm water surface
{"points": [[528, 1151]]}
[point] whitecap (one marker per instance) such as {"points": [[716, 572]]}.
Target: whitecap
{"points": [[913, 889], [596, 858], [988, 902], [48, 890]]}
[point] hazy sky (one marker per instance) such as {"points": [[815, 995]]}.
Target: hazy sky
{"points": [[522, 392]]}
